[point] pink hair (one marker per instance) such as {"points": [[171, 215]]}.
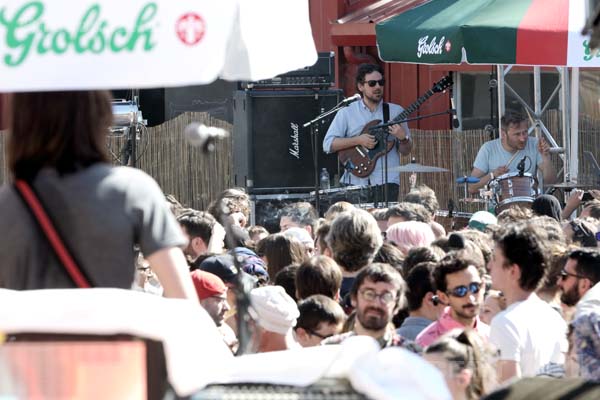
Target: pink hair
{"points": [[409, 234]]}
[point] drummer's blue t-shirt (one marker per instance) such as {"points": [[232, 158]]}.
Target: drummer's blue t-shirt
{"points": [[492, 155]]}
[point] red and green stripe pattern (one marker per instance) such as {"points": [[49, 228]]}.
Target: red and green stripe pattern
{"points": [[526, 32]]}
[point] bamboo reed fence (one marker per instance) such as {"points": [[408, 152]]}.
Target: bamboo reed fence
{"points": [[195, 178]]}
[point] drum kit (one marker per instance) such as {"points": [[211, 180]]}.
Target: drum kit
{"points": [[503, 192], [510, 190]]}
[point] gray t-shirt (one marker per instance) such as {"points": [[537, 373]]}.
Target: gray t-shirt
{"points": [[492, 155], [100, 212], [412, 326]]}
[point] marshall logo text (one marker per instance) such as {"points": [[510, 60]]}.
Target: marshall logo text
{"points": [[295, 147]]}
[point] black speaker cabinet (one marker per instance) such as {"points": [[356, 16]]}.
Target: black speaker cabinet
{"points": [[267, 208], [271, 149]]}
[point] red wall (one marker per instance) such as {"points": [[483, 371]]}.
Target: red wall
{"points": [[406, 82]]}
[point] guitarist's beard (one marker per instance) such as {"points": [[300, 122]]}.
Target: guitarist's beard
{"points": [[374, 97]]}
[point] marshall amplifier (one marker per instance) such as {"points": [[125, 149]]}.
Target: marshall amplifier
{"points": [[271, 149], [319, 75]]}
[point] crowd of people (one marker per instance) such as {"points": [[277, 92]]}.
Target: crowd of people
{"points": [[505, 298], [511, 296]]}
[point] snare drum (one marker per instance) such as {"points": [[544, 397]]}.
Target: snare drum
{"points": [[514, 190]]}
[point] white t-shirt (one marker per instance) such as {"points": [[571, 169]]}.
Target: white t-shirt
{"points": [[531, 333]]}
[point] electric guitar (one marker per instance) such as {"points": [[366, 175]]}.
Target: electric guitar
{"points": [[361, 161]]}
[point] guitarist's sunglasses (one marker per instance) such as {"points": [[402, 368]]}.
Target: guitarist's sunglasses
{"points": [[372, 83]]}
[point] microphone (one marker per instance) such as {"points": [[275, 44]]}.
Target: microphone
{"points": [[521, 166], [455, 121], [200, 135], [350, 100]]}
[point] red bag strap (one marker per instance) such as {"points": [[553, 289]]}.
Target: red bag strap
{"points": [[47, 226]]}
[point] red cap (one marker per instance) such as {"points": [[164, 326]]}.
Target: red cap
{"points": [[207, 284]]}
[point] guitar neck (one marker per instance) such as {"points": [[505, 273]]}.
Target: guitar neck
{"points": [[413, 107]]}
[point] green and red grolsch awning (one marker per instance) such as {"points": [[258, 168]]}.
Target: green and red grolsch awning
{"points": [[522, 32]]}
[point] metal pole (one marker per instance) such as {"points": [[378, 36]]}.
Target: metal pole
{"points": [[501, 98], [134, 127], [574, 155], [566, 121], [537, 106], [457, 93], [457, 135]]}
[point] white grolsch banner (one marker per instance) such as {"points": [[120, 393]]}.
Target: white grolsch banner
{"points": [[84, 44]]}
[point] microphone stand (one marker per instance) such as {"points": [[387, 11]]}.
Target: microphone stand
{"points": [[242, 288], [314, 132], [385, 170], [387, 124]]}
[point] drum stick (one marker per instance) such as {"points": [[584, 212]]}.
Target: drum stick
{"points": [[512, 158]]}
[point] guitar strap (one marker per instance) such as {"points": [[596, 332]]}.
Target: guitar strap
{"points": [[386, 112], [386, 117]]}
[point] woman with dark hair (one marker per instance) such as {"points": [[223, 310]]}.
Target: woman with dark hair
{"points": [[57, 145], [278, 251], [466, 363]]}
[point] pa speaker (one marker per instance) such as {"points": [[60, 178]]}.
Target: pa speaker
{"points": [[271, 148]]}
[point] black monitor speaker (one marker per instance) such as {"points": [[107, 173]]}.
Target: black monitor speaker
{"points": [[271, 148]]}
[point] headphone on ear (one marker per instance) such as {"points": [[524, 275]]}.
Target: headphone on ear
{"points": [[435, 299]]}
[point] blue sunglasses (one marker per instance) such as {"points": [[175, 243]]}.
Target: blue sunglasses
{"points": [[462, 291]]}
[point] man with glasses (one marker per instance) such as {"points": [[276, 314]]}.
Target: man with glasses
{"points": [[501, 156], [377, 294], [459, 286], [529, 334], [346, 130], [579, 280]]}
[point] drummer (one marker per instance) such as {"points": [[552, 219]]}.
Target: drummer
{"points": [[512, 150]]}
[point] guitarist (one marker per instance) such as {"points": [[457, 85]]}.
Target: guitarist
{"points": [[345, 132]]}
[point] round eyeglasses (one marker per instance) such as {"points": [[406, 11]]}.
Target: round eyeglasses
{"points": [[371, 295]]}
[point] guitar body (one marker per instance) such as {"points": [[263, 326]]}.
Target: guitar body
{"points": [[361, 161]]}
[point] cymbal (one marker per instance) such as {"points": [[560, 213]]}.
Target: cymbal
{"points": [[571, 185], [416, 167]]}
